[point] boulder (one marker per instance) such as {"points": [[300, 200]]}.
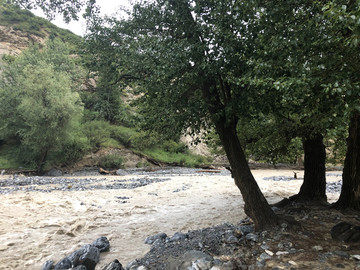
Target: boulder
{"points": [[65, 263], [48, 265], [346, 232], [88, 256], [102, 244]]}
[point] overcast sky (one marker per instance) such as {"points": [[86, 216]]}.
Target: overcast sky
{"points": [[108, 7]]}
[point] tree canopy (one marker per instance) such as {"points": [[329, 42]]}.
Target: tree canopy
{"points": [[38, 101]]}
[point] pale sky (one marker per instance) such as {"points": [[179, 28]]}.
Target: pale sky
{"points": [[108, 7]]}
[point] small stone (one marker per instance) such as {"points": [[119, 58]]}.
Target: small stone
{"points": [[264, 256], [270, 253], [114, 265], [317, 248], [151, 239], [356, 257], [178, 236], [244, 230], [204, 263], [252, 237], [342, 254], [292, 263], [141, 267], [279, 253]]}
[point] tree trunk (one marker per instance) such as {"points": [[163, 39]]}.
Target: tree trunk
{"points": [[41, 162], [314, 185], [350, 192], [256, 206]]}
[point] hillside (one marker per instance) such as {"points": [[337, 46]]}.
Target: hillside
{"points": [[19, 28]]}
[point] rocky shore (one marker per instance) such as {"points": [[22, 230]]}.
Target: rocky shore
{"points": [[225, 246]]}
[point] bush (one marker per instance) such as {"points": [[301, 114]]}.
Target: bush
{"points": [[74, 150], [143, 140], [111, 161], [97, 132], [174, 147]]}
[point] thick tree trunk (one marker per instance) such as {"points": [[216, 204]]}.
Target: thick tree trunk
{"points": [[256, 206], [350, 192], [314, 185]]}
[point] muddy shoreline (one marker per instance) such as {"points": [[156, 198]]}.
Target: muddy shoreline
{"points": [[46, 218]]}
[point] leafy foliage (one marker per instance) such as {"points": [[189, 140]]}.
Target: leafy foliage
{"points": [[38, 102]]}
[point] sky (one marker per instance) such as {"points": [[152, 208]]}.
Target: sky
{"points": [[107, 7]]}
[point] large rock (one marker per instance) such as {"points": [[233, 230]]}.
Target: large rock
{"points": [[63, 264], [346, 232], [102, 244], [88, 256], [151, 239], [48, 265]]}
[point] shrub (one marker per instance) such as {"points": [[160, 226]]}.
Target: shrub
{"points": [[73, 150], [111, 161], [97, 132]]}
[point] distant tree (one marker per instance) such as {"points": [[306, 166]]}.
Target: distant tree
{"points": [[38, 101]]}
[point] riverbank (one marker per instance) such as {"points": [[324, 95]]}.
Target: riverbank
{"points": [[46, 218]]}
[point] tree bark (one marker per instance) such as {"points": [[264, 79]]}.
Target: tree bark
{"points": [[256, 206], [314, 185], [350, 192]]}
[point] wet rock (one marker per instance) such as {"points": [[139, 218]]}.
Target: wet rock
{"points": [[264, 256], [48, 265], [65, 263], [356, 257], [342, 254], [102, 244], [245, 229], [151, 239], [178, 236], [80, 267], [252, 237], [114, 265], [89, 256]]}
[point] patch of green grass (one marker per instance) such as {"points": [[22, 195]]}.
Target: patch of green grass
{"points": [[9, 158], [182, 159], [111, 161], [25, 21]]}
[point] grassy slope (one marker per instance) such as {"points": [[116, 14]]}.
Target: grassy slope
{"points": [[25, 21]]}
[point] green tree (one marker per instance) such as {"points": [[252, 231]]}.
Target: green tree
{"points": [[185, 57], [38, 104], [345, 16], [293, 59]]}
